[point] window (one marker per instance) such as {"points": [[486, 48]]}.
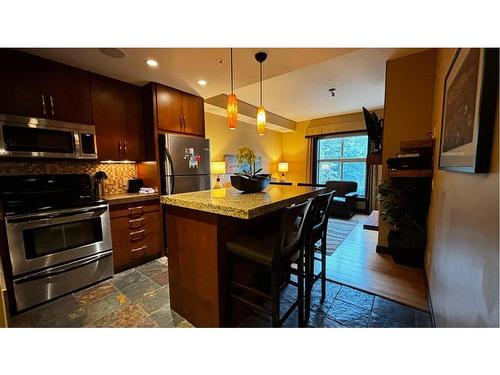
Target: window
{"points": [[342, 158]]}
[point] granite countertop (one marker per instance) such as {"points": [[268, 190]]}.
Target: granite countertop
{"points": [[121, 198], [231, 202]]}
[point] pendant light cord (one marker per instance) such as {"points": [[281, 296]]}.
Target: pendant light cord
{"points": [[232, 73], [261, 84]]}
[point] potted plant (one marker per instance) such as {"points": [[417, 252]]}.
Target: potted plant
{"points": [[249, 180], [404, 204]]}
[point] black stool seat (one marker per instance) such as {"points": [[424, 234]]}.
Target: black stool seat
{"points": [[257, 249]]}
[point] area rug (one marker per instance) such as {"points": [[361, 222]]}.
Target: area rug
{"points": [[337, 232]]}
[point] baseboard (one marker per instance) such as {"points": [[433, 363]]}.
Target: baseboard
{"points": [[383, 250], [429, 299]]}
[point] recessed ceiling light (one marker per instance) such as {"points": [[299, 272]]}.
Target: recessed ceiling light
{"points": [[152, 63], [202, 82], [113, 52]]}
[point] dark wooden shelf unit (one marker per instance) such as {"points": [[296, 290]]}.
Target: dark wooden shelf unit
{"points": [[410, 173]]}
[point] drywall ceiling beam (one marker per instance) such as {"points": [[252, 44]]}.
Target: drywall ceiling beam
{"points": [[247, 113]]}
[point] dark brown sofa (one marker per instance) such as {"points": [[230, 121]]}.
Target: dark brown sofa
{"points": [[344, 202]]}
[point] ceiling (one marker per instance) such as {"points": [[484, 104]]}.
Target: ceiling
{"points": [[295, 85]]}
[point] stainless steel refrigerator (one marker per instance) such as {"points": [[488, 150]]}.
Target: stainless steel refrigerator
{"points": [[184, 163]]}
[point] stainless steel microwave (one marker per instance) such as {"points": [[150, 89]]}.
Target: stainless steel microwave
{"points": [[27, 137]]}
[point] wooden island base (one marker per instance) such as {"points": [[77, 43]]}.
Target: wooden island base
{"points": [[197, 259]]}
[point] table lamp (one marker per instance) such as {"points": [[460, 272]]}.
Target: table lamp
{"points": [[283, 168], [218, 168]]}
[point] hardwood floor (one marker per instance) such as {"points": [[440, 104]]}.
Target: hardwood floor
{"points": [[356, 263]]}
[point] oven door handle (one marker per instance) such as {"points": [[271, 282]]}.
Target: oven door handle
{"points": [[45, 217], [53, 271]]}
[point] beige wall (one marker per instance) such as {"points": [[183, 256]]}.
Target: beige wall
{"points": [[462, 251], [409, 95], [225, 141], [295, 143]]}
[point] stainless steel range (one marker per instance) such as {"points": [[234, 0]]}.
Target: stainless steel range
{"points": [[58, 234]]}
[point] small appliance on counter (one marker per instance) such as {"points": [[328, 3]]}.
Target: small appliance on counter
{"points": [[134, 185], [99, 179]]}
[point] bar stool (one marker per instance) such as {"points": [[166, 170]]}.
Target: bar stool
{"points": [[274, 253], [316, 231]]}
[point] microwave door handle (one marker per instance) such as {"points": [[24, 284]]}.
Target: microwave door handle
{"points": [[170, 167]]}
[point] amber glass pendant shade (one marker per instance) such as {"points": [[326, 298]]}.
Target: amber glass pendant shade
{"points": [[261, 120], [232, 111]]}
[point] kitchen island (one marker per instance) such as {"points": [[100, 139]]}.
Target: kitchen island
{"points": [[198, 225]]}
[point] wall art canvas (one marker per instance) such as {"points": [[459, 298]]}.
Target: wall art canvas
{"points": [[232, 165], [471, 92]]}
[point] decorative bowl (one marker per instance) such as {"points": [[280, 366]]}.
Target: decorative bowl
{"points": [[250, 185]]}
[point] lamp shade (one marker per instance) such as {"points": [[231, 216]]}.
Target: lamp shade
{"points": [[218, 167], [232, 111], [283, 167], [261, 120]]}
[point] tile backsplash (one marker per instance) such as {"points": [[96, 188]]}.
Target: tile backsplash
{"points": [[118, 173]]}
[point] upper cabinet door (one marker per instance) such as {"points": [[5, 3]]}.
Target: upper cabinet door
{"points": [[106, 104], [68, 91], [22, 84], [192, 109], [132, 123], [169, 109]]}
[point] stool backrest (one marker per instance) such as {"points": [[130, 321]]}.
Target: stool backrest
{"points": [[320, 207], [318, 219], [291, 233]]}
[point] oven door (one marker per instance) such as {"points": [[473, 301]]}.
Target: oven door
{"points": [[40, 241]]}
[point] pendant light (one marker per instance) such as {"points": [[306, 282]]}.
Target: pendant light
{"points": [[232, 103], [261, 112]]}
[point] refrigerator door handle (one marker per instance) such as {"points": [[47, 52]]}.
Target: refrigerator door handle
{"points": [[170, 167]]}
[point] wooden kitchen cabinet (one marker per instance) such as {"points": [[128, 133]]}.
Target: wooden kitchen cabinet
{"points": [[106, 109], [177, 111], [117, 108], [132, 128], [194, 115], [22, 84], [169, 109], [33, 86], [136, 233], [68, 89]]}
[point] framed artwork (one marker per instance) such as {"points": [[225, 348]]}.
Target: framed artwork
{"points": [[232, 165], [469, 105]]}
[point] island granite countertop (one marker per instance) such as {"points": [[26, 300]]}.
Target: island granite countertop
{"points": [[233, 203]]}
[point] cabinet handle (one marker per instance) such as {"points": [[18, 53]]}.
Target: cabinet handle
{"points": [[137, 235], [52, 106], [120, 149], [124, 149], [136, 223], [139, 249], [184, 121], [43, 105], [134, 211]]}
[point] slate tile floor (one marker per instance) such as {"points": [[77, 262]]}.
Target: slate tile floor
{"points": [[140, 298], [135, 298], [348, 307]]}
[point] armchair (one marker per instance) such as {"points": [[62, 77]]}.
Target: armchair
{"points": [[344, 202]]}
